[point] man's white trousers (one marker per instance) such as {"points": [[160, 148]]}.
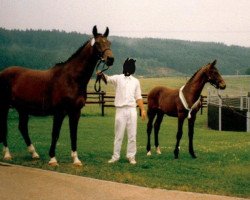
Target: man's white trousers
{"points": [[125, 120]]}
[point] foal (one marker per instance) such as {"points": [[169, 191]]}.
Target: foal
{"points": [[180, 103]]}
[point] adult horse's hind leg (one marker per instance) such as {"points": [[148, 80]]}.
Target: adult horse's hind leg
{"points": [[157, 125], [179, 135], [151, 116], [23, 128], [73, 124], [3, 131], [191, 134]]}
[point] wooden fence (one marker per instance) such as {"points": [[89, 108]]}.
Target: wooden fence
{"points": [[105, 100]]}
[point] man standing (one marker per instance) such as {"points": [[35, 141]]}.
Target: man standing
{"points": [[127, 97]]}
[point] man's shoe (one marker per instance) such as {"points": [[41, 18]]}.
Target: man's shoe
{"points": [[113, 160], [132, 161]]}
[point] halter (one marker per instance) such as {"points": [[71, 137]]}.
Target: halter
{"points": [[185, 104], [100, 60]]}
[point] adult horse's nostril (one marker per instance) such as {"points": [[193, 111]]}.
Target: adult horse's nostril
{"points": [[223, 86], [110, 61]]}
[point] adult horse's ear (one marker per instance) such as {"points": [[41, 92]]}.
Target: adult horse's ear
{"points": [[106, 32], [95, 31], [213, 63]]}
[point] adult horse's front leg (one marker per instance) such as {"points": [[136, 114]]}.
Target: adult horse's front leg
{"points": [[57, 124], [191, 134], [179, 135], [73, 125]]}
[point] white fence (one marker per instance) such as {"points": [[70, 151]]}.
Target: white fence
{"points": [[238, 105]]}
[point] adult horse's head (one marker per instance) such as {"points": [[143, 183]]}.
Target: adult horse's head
{"points": [[102, 45], [214, 77]]}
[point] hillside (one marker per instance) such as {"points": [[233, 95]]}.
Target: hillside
{"points": [[155, 57]]}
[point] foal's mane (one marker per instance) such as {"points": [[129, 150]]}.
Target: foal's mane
{"points": [[73, 55], [202, 68]]}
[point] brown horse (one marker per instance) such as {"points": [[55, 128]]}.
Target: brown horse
{"points": [[181, 103], [58, 91]]}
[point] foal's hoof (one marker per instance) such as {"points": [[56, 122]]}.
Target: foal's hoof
{"points": [[77, 164], [53, 162], [176, 155], [149, 153], [194, 156]]}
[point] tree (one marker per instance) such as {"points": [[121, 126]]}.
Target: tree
{"points": [[248, 71]]}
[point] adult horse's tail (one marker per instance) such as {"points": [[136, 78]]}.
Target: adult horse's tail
{"points": [[4, 106]]}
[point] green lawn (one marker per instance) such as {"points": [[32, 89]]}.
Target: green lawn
{"points": [[222, 166]]}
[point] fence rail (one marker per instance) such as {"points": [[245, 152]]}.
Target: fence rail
{"points": [[105, 100], [240, 102], [229, 113]]}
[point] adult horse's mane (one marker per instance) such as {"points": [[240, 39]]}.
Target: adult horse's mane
{"points": [[74, 55]]}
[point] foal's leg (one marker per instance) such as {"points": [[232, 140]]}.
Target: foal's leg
{"points": [[3, 132], [178, 136], [191, 134], [151, 116], [23, 128], [157, 125], [73, 125], [57, 124]]}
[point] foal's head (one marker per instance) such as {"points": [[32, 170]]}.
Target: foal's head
{"points": [[102, 45], [214, 77]]}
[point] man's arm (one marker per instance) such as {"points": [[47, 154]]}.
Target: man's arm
{"points": [[141, 106]]}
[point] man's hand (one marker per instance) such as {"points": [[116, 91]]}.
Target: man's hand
{"points": [[100, 75], [143, 114], [141, 106]]}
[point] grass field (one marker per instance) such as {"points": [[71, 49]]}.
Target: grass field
{"points": [[222, 166]]}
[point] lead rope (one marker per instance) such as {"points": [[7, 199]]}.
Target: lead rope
{"points": [[98, 78]]}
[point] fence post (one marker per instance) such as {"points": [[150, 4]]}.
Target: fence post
{"points": [[102, 101], [241, 102], [220, 105], [248, 112]]}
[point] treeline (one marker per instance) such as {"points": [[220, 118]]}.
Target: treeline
{"points": [[155, 57]]}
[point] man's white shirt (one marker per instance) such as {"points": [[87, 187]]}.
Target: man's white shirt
{"points": [[127, 89]]}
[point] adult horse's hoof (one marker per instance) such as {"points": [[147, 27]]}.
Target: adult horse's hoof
{"points": [[149, 153], [77, 164], [7, 155], [53, 162], [158, 150], [33, 152], [76, 161], [35, 156]]}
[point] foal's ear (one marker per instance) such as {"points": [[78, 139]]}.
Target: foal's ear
{"points": [[213, 63], [95, 31], [106, 32]]}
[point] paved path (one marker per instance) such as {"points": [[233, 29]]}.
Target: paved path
{"points": [[21, 183]]}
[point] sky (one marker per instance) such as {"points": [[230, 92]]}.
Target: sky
{"points": [[223, 21]]}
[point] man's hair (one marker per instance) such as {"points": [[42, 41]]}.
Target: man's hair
{"points": [[129, 67]]}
